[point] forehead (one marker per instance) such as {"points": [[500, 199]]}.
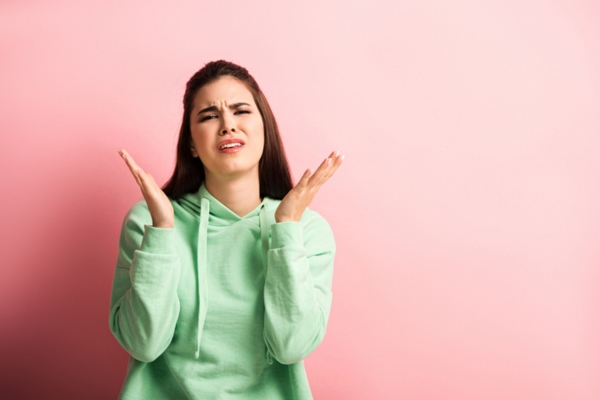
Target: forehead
{"points": [[225, 90]]}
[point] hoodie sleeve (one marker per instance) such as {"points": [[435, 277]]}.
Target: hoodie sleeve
{"points": [[144, 305], [298, 287]]}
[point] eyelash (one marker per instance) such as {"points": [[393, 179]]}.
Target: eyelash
{"points": [[212, 116]]}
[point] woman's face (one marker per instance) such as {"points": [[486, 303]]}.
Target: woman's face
{"points": [[227, 129]]}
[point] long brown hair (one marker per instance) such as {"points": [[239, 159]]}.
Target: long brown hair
{"points": [[274, 174]]}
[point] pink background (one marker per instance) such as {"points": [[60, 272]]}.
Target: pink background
{"points": [[467, 213]]}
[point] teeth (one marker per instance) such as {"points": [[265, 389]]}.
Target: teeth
{"points": [[230, 145]]}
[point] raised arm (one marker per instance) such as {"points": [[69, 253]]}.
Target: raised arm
{"points": [[144, 304], [299, 271]]}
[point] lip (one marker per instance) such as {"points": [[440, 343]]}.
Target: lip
{"points": [[232, 149]]}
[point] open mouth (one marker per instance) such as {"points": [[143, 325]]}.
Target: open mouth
{"points": [[230, 145]]}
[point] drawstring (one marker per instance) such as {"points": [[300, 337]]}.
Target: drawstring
{"points": [[202, 270], [264, 235]]}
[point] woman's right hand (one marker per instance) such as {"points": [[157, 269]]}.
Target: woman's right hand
{"points": [[158, 203]]}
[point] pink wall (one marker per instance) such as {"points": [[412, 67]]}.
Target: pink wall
{"points": [[467, 213]]}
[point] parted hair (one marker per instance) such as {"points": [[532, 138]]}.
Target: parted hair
{"points": [[188, 175]]}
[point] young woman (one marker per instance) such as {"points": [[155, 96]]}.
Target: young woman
{"points": [[223, 279]]}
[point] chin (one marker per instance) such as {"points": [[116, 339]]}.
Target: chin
{"points": [[235, 171]]}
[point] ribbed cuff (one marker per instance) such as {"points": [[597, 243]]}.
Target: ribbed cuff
{"points": [[158, 240], [286, 234]]}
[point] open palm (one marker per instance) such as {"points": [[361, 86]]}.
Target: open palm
{"points": [[158, 203], [295, 202]]}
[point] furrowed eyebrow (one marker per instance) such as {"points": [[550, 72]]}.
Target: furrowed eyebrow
{"points": [[211, 108], [214, 108], [238, 105]]}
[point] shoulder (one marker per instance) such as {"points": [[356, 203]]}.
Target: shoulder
{"points": [[132, 231], [313, 222], [133, 227], [138, 215], [317, 231]]}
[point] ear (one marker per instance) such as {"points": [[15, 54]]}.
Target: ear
{"points": [[193, 149]]}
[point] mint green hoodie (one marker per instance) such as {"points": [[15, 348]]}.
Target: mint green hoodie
{"points": [[220, 307]]}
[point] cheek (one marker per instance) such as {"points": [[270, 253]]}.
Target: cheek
{"points": [[201, 148], [199, 138], [260, 136], [259, 132]]}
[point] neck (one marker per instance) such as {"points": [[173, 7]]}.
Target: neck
{"points": [[240, 195]]}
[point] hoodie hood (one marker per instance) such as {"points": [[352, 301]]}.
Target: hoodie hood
{"points": [[220, 214]]}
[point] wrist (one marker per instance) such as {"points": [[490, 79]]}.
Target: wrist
{"points": [[163, 224], [287, 218]]}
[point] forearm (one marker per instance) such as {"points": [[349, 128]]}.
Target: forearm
{"points": [[144, 303], [297, 295]]}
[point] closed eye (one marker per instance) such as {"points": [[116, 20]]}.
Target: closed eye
{"points": [[207, 117], [241, 112]]}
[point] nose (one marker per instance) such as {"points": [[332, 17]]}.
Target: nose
{"points": [[228, 124]]}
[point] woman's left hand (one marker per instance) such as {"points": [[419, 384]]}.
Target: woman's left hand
{"points": [[295, 202]]}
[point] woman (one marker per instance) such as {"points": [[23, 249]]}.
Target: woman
{"points": [[223, 279]]}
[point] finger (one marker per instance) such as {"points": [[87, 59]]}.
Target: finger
{"points": [[133, 167], [140, 179], [337, 161], [321, 174], [334, 155], [335, 164], [327, 169], [147, 182], [337, 158], [305, 178]]}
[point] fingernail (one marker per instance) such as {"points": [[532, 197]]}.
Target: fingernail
{"points": [[344, 156], [337, 153], [328, 161]]}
